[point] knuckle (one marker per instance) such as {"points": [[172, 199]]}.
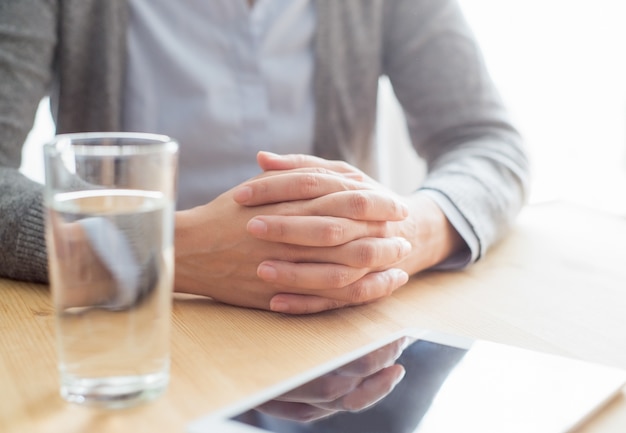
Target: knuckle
{"points": [[329, 304], [287, 277], [343, 165], [387, 283], [292, 253], [367, 255], [338, 278], [278, 229], [316, 307], [333, 234], [321, 170], [359, 293], [309, 183], [394, 207], [368, 289], [329, 391], [299, 160], [380, 229], [306, 413], [400, 251], [360, 203], [351, 404], [262, 187]]}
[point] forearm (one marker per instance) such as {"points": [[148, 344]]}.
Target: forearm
{"points": [[487, 180], [22, 246], [192, 245], [457, 120], [27, 40]]}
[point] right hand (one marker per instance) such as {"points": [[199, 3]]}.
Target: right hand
{"points": [[216, 256]]}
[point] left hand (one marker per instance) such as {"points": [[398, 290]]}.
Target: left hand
{"points": [[432, 237]]}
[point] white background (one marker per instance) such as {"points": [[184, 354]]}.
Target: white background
{"points": [[561, 68]]}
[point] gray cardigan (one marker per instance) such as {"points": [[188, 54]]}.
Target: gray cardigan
{"points": [[74, 50]]}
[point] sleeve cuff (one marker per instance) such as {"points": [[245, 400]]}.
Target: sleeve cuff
{"points": [[467, 255]]}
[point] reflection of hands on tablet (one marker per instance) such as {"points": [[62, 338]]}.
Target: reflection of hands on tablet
{"points": [[352, 387], [452, 384]]}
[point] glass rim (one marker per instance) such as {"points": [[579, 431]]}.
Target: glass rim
{"points": [[121, 143]]}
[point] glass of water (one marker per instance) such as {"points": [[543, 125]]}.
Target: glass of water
{"points": [[110, 201]]}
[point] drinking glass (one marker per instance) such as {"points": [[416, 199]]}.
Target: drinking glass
{"points": [[109, 201]]}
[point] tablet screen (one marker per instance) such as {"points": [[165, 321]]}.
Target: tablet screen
{"points": [[421, 386]]}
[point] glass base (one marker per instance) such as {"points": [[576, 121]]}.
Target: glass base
{"points": [[114, 392]]}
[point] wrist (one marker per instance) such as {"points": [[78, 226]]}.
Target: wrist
{"points": [[430, 233], [187, 244]]}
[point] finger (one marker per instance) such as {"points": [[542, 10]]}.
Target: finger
{"points": [[369, 391], [302, 412], [313, 231], [371, 287], [337, 384], [273, 161], [314, 170], [312, 276], [304, 304], [374, 361], [366, 205], [369, 252], [294, 185], [327, 388], [372, 389]]}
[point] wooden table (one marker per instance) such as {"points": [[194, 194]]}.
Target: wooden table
{"points": [[557, 284]]}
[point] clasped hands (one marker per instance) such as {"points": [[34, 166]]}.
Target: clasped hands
{"points": [[305, 236]]}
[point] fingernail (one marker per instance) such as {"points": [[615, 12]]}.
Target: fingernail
{"points": [[279, 306], [267, 272], [243, 194], [257, 227]]}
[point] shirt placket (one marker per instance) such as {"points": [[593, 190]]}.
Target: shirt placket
{"points": [[251, 85]]}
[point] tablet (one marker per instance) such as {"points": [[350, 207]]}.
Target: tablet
{"points": [[428, 382]]}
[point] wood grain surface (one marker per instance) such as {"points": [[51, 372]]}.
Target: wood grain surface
{"points": [[556, 283]]}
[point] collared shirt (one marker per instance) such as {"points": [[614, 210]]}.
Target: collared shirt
{"points": [[225, 80]]}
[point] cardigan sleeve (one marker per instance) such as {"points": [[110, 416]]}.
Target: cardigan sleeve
{"points": [[456, 119], [27, 40]]}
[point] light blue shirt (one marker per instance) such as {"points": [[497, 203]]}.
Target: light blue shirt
{"points": [[225, 80]]}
